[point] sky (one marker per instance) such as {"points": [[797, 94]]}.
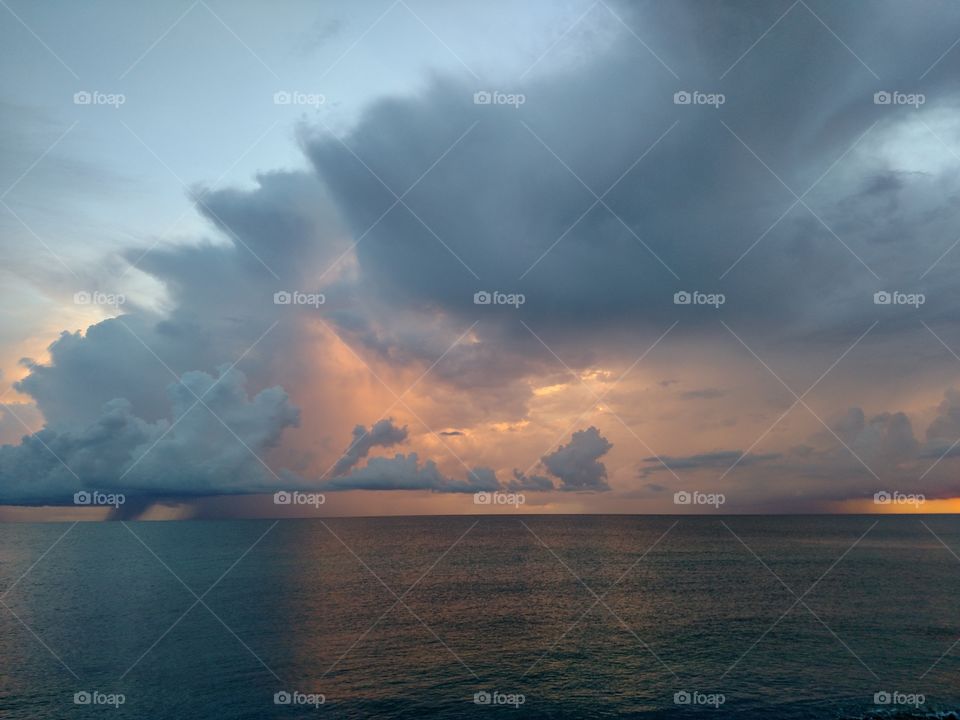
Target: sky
{"points": [[417, 257]]}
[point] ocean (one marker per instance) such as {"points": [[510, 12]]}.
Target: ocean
{"points": [[475, 617]]}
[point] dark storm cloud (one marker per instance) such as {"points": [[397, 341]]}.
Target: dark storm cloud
{"points": [[191, 453], [945, 429], [529, 482], [381, 434], [577, 464], [500, 199], [221, 297], [107, 395]]}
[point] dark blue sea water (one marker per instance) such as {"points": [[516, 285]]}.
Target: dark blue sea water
{"points": [[564, 617]]}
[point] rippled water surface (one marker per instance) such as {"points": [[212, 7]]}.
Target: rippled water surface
{"points": [[577, 617]]}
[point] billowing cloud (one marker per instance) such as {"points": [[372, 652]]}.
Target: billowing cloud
{"points": [[514, 217], [521, 481], [945, 429], [210, 443], [885, 438], [577, 464], [383, 433]]}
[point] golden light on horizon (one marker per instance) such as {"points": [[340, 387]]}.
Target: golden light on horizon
{"points": [[941, 506]]}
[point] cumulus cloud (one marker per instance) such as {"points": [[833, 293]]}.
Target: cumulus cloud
{"points": [[577, 464], [204, 447], [383, 433], [945, 429], [116, 376], [522, 481], [219, 306], [885, 438]]}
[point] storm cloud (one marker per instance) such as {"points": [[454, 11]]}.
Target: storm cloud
{"points": [[610, 199], [208, 444], [382, 433], [577, 464]]}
